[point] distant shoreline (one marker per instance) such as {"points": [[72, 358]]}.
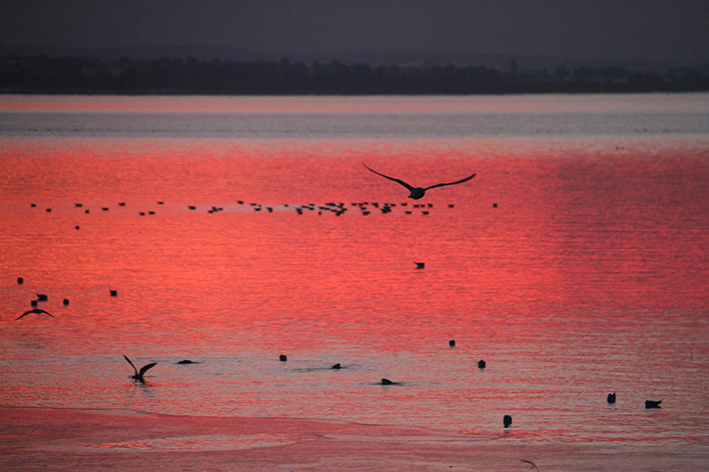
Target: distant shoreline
{"points": [[42, 74]]}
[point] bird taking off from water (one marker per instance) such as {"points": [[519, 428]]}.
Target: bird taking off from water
{"points": [[139, 375], [418, 192], [35, 310]]}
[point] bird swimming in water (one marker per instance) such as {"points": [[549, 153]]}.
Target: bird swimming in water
{"points": [[337, 366], [653, 403], [418, 192], [35, 310], [420, 265], [611, 398], [388, 382], [507, 421], [139, 374], [481, 364]]}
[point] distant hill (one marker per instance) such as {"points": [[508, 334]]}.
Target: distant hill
{"points": [[192, 70], [501, 62]]}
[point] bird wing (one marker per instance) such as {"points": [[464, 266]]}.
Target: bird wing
{"points": [[38, 311], [131, 364], [145, 368], [451, 183], [398, 181], [534, 466], [24, 314], [34, 310]]}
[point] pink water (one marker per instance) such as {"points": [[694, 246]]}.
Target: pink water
{"points": [[588, 277]]}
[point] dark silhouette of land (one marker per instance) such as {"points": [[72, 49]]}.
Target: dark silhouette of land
{"points": [[79, 75]]}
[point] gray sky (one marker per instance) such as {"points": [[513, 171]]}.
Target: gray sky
{"points": [[603, 29]]}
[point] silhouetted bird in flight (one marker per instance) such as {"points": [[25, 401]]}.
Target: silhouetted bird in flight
{"points": [[139, 374], [36, 310], [611, 398], [418, 192]]}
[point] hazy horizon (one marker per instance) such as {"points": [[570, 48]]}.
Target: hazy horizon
{"points": [[609, 31]]}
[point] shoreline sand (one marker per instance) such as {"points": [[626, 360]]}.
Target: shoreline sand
{"points": [[121, 440]]}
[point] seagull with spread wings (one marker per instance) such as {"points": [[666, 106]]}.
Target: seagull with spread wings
{"points": [[139, 375], [418, 192], [35, 310]]}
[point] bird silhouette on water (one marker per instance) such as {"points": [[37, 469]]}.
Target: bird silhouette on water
{"points": [[653, 403], [611, 398], [35, 310], [418, 192], [139, 374], [507, 421]]}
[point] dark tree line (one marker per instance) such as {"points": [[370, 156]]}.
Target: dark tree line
{"points": [[43, 74]]}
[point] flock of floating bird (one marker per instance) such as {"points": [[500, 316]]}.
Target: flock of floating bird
{"points": [[138, 374], [506, 420], [41, 297], [337, 209], [366, 208]]}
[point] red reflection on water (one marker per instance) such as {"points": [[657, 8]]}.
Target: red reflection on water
{"points": [[600, 231], [590, 258]]}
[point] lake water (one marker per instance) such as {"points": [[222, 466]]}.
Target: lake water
{"points": [[575, 263]]}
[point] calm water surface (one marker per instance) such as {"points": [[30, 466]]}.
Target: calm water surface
{"points": [[588, 277]]}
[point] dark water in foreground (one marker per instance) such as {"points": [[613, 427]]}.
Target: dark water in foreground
{"points": [[589, 277]]}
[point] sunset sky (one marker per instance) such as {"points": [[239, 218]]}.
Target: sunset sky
{"points": [[601, 29]]}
